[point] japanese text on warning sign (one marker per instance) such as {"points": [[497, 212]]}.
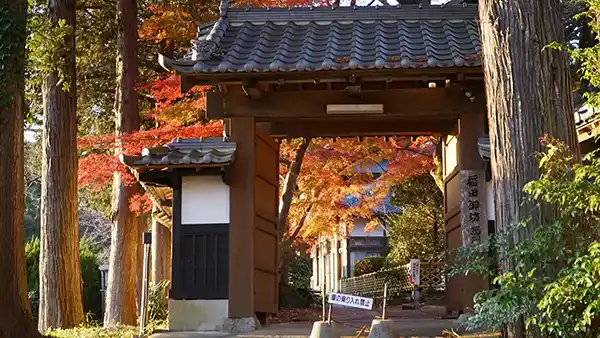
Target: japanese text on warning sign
{"points": [[351, 301]]}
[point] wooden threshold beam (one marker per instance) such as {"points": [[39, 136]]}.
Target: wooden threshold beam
{"points": [[413, 103], [357, 127]]}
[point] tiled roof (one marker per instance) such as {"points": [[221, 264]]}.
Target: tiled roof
{"points": [[297, 39], [483, 143], [185, 152]]}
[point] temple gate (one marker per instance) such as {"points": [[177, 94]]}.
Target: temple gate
{"points": [[411, 69]]}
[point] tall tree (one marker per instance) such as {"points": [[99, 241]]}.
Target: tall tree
{"points": [[60, 272], [15, 311], [418, 232], [528, 95], [288, 188], [122, 279]]}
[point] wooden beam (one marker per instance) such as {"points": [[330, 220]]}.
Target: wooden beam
{"points": [[413, 103], [241, 223], [356, 127]]}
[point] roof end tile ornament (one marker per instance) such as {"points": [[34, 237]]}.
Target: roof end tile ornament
{"points": [[208, 48], [223, 8]]}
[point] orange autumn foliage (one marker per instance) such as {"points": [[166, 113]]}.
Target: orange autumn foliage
{"points": [[176, 21], [329, 172], [334, 171]]}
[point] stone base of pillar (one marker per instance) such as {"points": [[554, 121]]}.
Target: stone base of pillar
{"points": [[198, 315], [241, 325]]}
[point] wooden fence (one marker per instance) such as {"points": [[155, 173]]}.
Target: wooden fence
{"points": [[398, 280]]}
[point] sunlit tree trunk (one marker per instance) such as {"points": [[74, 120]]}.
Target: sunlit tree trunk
{"points": [[122, 281], [285, 202], [436, 173], [161, 252], [60, 271], [528, 95], [122, 276], [15, 311]]}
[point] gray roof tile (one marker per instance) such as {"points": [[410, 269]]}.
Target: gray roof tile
{"points": [[343, 38], [186, 152]]}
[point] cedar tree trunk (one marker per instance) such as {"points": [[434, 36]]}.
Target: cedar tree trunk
{"points": [[122, 275], [122, 281], [15, 311], [60, 271], [142, 221], [528, 95], [161, 252], [285, 202]]}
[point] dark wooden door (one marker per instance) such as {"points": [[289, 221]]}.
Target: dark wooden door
{"points": [[205, 257]]}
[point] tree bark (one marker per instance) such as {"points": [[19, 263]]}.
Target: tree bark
{"points": [[60, 271], [289, 186], [161, 252], [436, 173], [142, 221], [121, 293], [122, 277], [528, 95], [15, 311], [285, 203]]}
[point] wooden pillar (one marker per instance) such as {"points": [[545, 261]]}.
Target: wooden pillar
{"points": [[471, 127], [241, 233], [161, 252]]}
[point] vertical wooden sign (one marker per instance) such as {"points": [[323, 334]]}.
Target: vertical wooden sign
{"points": [[473, 207]]}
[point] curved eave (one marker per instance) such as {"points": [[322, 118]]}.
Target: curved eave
{"points": [[134, 162], [186, 70], [178, 66]]}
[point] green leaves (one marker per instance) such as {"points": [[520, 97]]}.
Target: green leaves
{"points": [[570, 306], [47, 47], [12, 40]]}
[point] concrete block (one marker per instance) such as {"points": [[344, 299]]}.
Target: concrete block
{"points": [[241, 325], [383, 328], [197, 315], [324, 330]]}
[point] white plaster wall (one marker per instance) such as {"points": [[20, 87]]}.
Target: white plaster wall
{"points": [[489, 190], [204, 200], [198, 315], [450, 155]]}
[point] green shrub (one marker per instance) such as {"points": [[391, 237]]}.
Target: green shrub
{"points": [[158, 306], [549, 278], [369, 265], [570, 306], [90, 273], [32, 260], [92, 298], [300, 271]]}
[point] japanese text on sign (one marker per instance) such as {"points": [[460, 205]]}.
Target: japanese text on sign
{"points": [[351, 301], [415, 271], [473, 206]]}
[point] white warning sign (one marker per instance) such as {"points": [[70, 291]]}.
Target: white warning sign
{"points": [[351, 301]]}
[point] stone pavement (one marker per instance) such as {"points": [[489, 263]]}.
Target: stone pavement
{"points": [[407, 328], [425, 322]]}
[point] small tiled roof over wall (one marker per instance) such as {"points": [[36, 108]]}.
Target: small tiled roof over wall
{"points": [[185, 152], [195, 154], [264, 40]]}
